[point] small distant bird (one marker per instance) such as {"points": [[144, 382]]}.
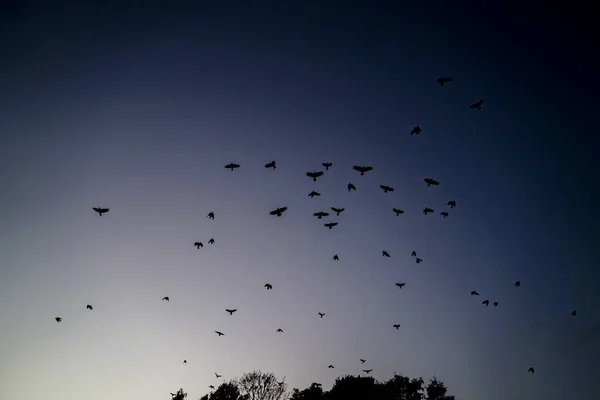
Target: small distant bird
{"points": [[198, 245], [271, 165], [531, 369], [414, 253], [351, 187], [89, 307], [330, 224], [321, 314], [231, 311], [279, 330], [477, 104], [327, 165], [320, 214], [431, 181], [474, 293], [386, 188], [367, 370], [495, 304], [313, 194], [217, 375], [400, 284], [330, 366], [210, 215], [385, 253], [574, 313], [232, 166], [398, 211], [268, 286], [211, 387], [418, 260], [279, 211], [416, 130], [314, 175], [397, 326], [444, 214], [185, 361], [211, 241], [166, 298], [486, 302], [337, 210], [452, 203], [58, 319], [427, 210], [219, 333], [362, 169], [518, 284], [101, 210], [443, 79], [336, 258], [363, 360]]}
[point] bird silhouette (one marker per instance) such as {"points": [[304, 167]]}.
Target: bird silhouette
{"points": [[279, 330], [398, 211], [444, 214], [386, 188], [367, 370], [271, 165], [385, 253], [327, 165], [89, 307], [58, 319], [336, 258], [321, 314], [219, 333], [330, 366], [320, 214], [415, 130], [330, 224], [351, 187], [531, 369], [477, 104], [198, 245], [101, 210], [211, 387], [231, 166], [495, 304], [362, 169], [431, 181], [414, 253], [166, 298], [278, 211], [474, 293], [231, 311], [185, 361], [211, 241], [427, 210], [400, 284], [363, 360], [574, 313], [443, 79], [485, 303], [518, 284], [313, 194], [268, 286], [314, 175], [418, 260], [337, 210], [452, 203], [217, 375], [397, 326], [210, 215]]}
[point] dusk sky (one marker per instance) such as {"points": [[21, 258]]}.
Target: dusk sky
{"points": [[138, 109]]}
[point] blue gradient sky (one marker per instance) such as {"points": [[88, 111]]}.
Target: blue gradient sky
{"points": [[138, 109]]}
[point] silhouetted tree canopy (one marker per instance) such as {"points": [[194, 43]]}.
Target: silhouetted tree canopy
{"points": [[227, 391], [257, 385]]}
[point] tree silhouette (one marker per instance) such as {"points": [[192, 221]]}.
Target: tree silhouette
{"points": [[436, 390], [226, 391], [314, 392], [258, 385]]}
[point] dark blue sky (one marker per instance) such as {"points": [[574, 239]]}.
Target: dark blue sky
{"points": [[138, 109]]}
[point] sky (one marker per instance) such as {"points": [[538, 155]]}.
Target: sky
{"points": [[138, 108]]}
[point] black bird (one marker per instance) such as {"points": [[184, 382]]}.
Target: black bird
{"points": [[386, 188], [400, 284], [443, 79], [185, 361], [327, 165], [531, 369], [219, 333], [474, 293], [495, 304], [362, 169], [351, 187], [314, 175], [427, 210], [271, 165], [217, 375], [268, 286], [431, 181], [367, 370], [198, 245], [397, 326], [211, 387], [414, 253], [452, 203], [418, 260], [166, 298], [477, 104], [322, 314], [100, 210], [278, 211], [231, 166], [518, 284], [336, 258], [330, 366], [89, 307], [58, 319], [210, 215], [444, 214], [231, 311], [385, 253], [363, 361], [398, 211], [485, 303], [330, 224], [416, 130], [313, 194], [320, 214], [337, 210], [211, 241], [280, 330], [574, 313]]}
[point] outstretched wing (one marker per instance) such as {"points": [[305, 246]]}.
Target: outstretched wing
{"points": [[318, 174], [358, 168]]}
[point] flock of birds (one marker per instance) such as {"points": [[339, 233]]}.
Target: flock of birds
{"points": [[314, 175]]}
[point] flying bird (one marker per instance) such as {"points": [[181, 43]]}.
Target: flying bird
{"points": [[330, 224], [414, 253], [231, 166], [400, 284], [336, 258], [443, 79], [89, 307], [485, 303], [518, 284], [268, 286], [427, 210], [166, 298], [320, 214], [231, 311], [418, 260], [219, 333], [415, 131], [58, 319], [217, 375], [210, 215], [278, 211], [100, 210], [531, 369], [385, 253], [313, 194], [198, 245], [321, 314], [397, 326], [444, 214], [185, 361], [271, 165], [314, 175], [474, 293], [477, 104], [327, 165], [362, 169], [211, 241], [330, 366], [337, 210], [574, 313], [398, 211], [495, 304], [211, 387], [431, 181], [367, 370], [386, 188], [452, 203], [363, 360], [280, 330], [351, 187]]}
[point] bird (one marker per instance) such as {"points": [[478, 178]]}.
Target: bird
{"points": [[452, 203], [101, 210], [217, 375], [400, 284], [431, 181], [367, 370], [477, 104], [336, 258], [211, 387], [280, 330], [427, 210], [198, 245], [185, 361], [89, 307], [414, 253], [362, 169], [531, 369], [278, 211], [211, 241], [398, 211], [418, 260], [443, 79], [211, 215], [268, 286], [363, 360], [518, 284], [166, 298], [271, 165], [444, 214], [327, 165], [330, 224], [58, 319], [321, 314], [313, 194], [416, 130], [314, 175], [330, 366], [351, 187], [397, 326], [320, 214], [386, 188], [495, 304], [486, 302], [219, 333], [232, 166], [385, 253], [231, 311], [474, 293], [337, 210], [574, 313]]}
